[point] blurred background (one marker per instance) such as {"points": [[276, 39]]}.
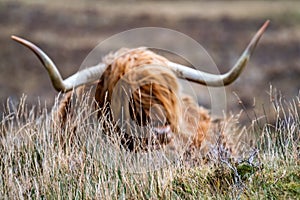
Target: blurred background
{"points": [[68, 30]]}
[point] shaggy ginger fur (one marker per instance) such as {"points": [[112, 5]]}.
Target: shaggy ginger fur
{"points": [[131, 90]]}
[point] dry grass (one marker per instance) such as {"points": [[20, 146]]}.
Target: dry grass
{"points": [[41, 160]]}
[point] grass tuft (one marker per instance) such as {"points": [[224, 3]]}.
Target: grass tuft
{"points": [[40, 160]]}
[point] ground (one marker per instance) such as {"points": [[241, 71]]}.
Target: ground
{"points": [[69, 31]]}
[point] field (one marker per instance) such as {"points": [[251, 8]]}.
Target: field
{"points": [[40, 160]]}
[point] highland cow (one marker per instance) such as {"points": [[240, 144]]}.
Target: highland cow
{"points": [[138, 90]]}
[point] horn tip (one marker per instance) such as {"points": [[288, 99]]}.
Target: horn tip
{"points": [[13, 37], [262, 30], [16, 38], [256, 37], [264, 26]]}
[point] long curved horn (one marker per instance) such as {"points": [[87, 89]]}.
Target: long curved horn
{"points": [[224, 79], [85, 76]]}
